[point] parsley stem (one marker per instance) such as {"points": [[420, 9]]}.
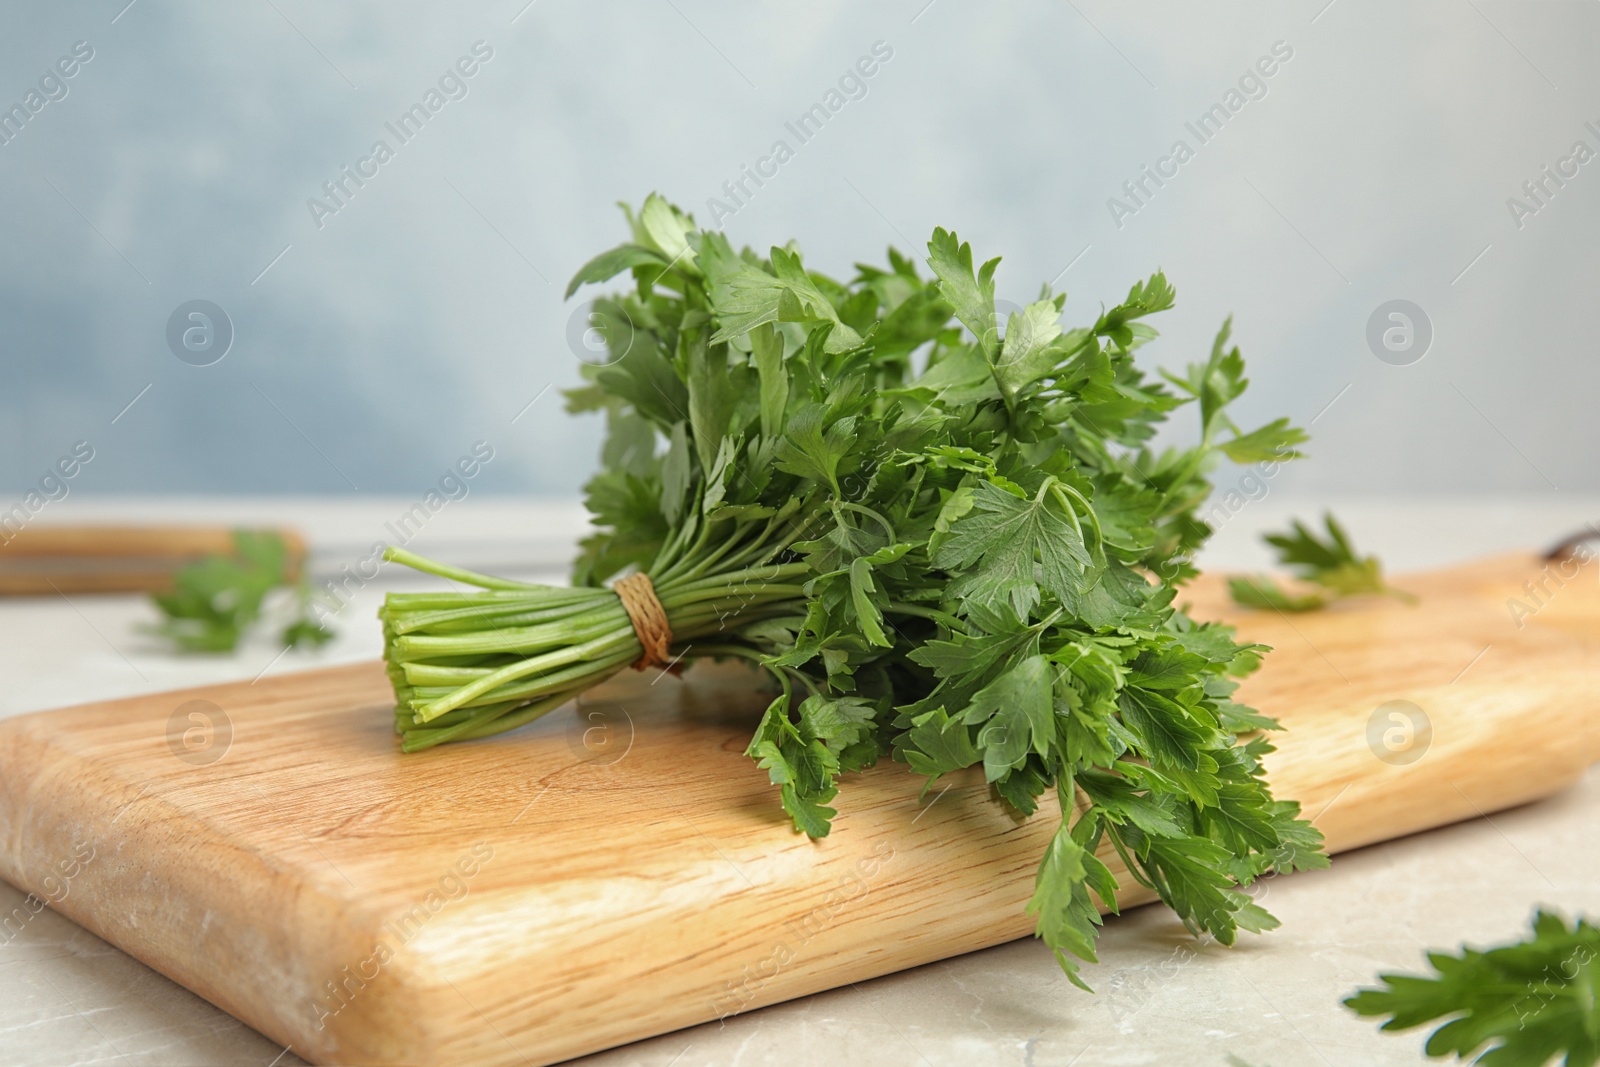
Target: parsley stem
{"points": [[955, 624], [469, 664], [444, 570]]}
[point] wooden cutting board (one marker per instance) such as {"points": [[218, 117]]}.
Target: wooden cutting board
{"points": [[621, 870]]}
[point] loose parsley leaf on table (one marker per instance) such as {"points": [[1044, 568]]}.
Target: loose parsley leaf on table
{"points": [[215, 600], [1529, 1001], [946, 537], [1332, 564]]}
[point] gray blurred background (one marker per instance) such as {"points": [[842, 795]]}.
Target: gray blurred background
{"points": [[374, 345]]}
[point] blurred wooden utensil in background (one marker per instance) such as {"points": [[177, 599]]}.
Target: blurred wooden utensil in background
{"points": [[41, 560]]}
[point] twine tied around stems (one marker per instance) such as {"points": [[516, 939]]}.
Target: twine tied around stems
{"points": [[649, 619]]}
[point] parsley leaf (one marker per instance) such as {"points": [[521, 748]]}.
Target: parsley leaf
{"points": [[972, 298], [1526, 1002], [216, 600], [1011, 550], [1332, 564]]}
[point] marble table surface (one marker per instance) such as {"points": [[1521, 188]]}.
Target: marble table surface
{"points": [[68, 998]]}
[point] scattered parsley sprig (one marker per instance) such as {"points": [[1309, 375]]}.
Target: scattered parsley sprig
{"points": [[1529, 1001], [944, 535], [1332, 565], [216, 600]]}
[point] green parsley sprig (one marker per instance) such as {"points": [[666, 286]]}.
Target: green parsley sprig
{"points": [[1333, 565], [1528, 1002], [216, 600], [944, 535]]}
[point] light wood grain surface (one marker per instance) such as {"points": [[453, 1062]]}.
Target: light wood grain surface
{"points": [[621, 870]]}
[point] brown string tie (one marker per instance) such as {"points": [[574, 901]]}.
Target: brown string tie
{"points": [[649, 619]]}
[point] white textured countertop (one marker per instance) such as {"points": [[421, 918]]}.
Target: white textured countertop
{"points": [[68, 998]]}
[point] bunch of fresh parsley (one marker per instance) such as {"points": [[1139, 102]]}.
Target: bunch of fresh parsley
{"points": [[215, 600], [1529, 1002], [944, 534]]}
